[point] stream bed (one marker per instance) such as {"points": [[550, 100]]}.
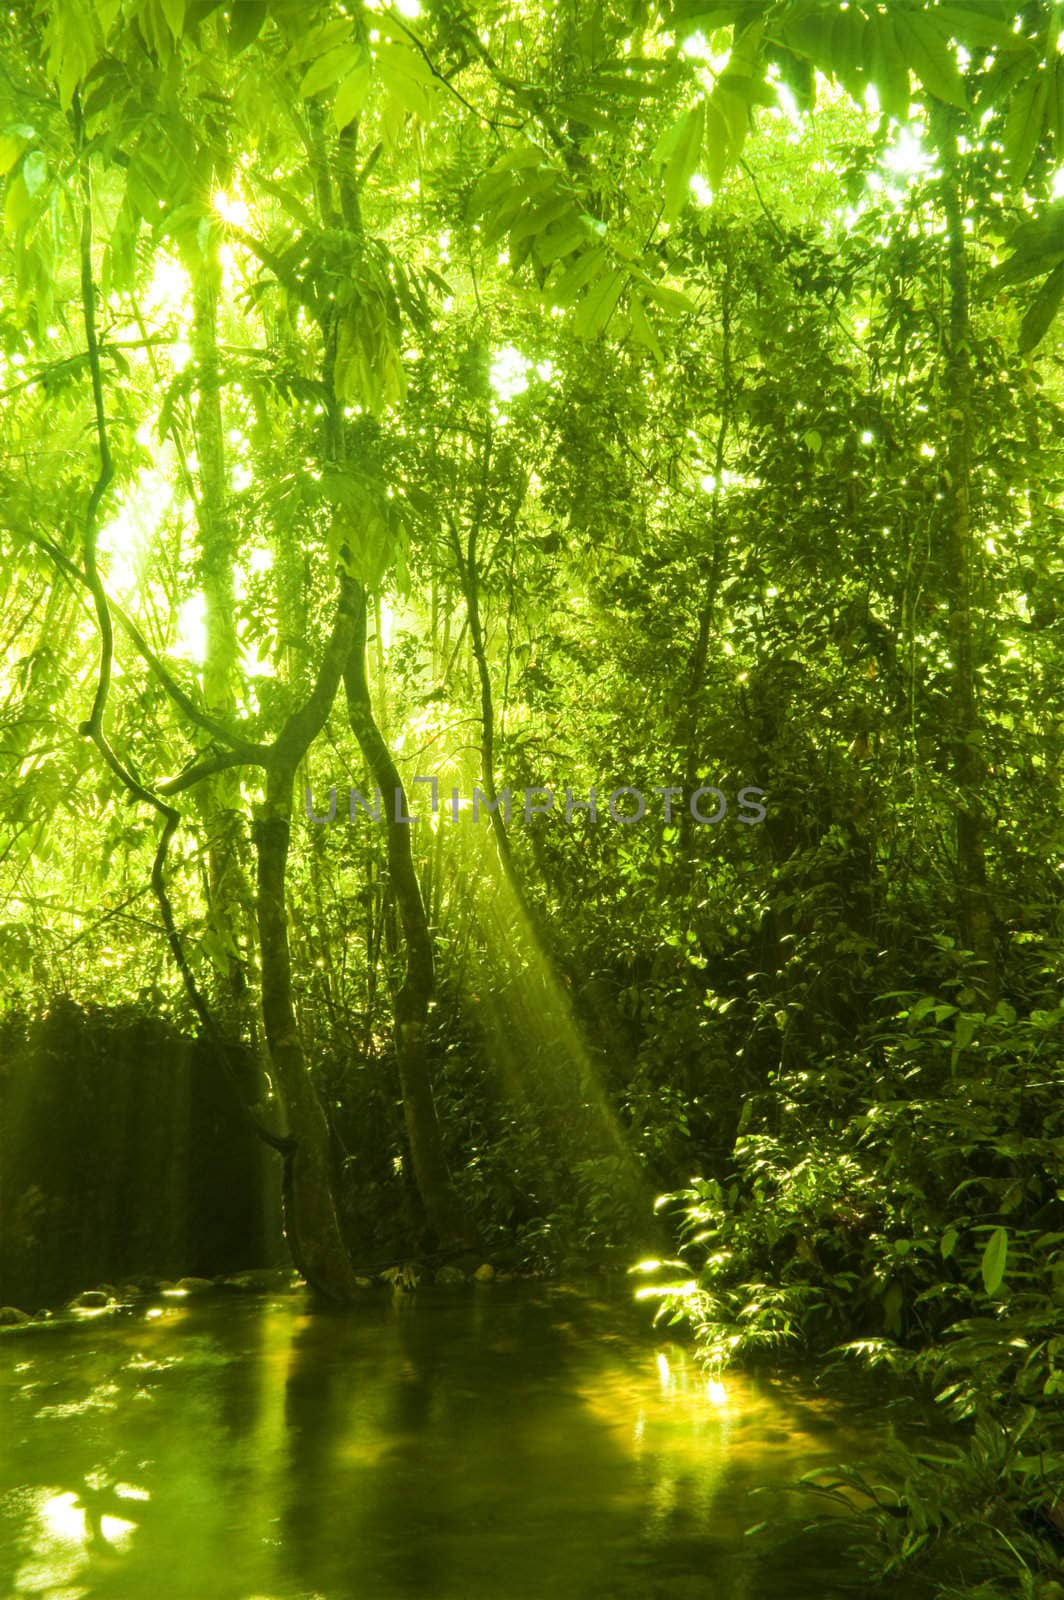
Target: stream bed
{"points": [[504, 1442]]}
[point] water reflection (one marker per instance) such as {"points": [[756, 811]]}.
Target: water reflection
{"points": [[452, 1446]]}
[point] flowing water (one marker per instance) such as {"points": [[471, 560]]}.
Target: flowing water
{"points": [[508, 1442]]}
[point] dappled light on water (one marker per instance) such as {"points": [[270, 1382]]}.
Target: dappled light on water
{"points": [[489, 1445]]}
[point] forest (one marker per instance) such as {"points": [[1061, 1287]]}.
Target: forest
{"points": [[531, 899]]}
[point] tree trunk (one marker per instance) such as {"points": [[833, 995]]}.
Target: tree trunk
{"points": [[310, 1212], [443, 1209]]}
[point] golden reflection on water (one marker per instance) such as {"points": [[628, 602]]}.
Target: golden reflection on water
{"points": [[458, 1438]]}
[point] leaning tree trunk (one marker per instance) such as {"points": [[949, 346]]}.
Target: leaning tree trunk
{"points": [[447, 1217], [310, 1211]]}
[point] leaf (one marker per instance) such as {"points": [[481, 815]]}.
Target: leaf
{"points": [[328, 68], [976, 27], [245, 24], [889, 70], [1036, 247], [1023, 124], [849, 52], [576, 277], [642, 329], [948, 1243], [535, 220], [796, 73], [1041, 312], [995, 1258], [34, 172], [812, 439], [10, 150], [405, 75], [17, 207], [561, 241], [670, 299], [683, 161], [931, 58], [595, 310], [174, 12], [351, 95], [925, 1004]]}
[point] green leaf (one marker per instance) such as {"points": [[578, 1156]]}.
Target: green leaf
{"points": [[931, 57], [889, 70], [174, 12], [995, 1258], [246, 18], [324, 72], [351, 95], [560, 241], [595, 310], [17, 206], [642, 329], [670, 299], [812, 439], [797, 74], [925, 1004], [683, 161], [948, 1243], [1036, 247], [1023, 123], [10, 149], [976, 27], [849, 55], [576, 277], [535, 220], [34, 172], [1041, 312]]}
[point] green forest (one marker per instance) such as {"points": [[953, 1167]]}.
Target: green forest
{"points": [[532, 597]]}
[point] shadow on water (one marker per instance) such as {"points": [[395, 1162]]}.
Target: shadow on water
{"points": [[498, 1445]]}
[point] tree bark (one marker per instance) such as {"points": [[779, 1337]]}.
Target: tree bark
{"points": [[446, 1216], [311, 1222]]}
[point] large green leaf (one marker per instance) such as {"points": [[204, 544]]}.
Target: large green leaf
{"points": [[330, 67], [686, 149], [1041, 312], [931, 57], [888, 66], [1024, 123], [995, 1260]]}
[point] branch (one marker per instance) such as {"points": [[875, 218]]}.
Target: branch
{"points": [[304, 725], [250, 752]]}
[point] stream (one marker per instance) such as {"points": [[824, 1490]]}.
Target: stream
{"points": [[502, 1442]]}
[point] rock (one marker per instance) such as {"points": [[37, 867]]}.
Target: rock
{"points": [[258, 1280], [195, 1285], [450, 1275], [484, 1273], [89, 1300], [12, 1317]]}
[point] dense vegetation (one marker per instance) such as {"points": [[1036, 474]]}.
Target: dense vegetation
{"points": [[585, 397]]}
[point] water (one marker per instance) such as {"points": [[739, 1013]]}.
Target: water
{"points": [[505, 1443]]}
